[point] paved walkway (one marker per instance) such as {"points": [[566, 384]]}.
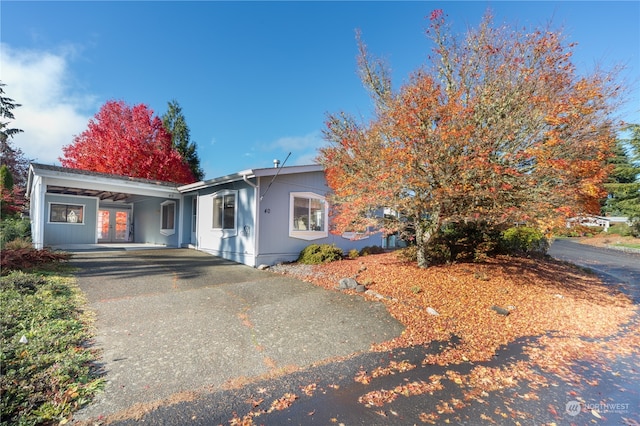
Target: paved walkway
{"points": [[177, 320]]}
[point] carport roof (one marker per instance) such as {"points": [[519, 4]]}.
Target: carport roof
{"points": [[105, 186]]}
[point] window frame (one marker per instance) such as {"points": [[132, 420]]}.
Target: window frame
{"points": [[67, 205], [308, 235], [226, 232], [167, 231]]}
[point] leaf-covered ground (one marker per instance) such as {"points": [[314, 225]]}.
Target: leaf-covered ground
{"points": [[574, 320], [540, 296]]}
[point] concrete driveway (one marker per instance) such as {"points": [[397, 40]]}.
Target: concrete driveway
{"points": [[177, 320]]}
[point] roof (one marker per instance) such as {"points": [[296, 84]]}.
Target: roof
{"points": [[251, 173], [64, 180], [70, 171]]}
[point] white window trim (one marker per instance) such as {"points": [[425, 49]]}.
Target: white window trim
{"points": [[84, 212], [168, 231], [308, 235], [222, 232]]}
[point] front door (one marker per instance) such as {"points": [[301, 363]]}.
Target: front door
{"points": [[194, 220], [113, 225]]}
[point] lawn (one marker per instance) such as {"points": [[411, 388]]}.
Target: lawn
{"points": [[611, 240], [47, 363]]}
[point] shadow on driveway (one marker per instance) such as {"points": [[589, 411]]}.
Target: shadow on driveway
{"points": [[177, 320]]}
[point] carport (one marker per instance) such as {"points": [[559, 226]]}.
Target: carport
{"points": [[72, 206]]}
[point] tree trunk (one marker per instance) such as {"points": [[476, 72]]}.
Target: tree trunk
{"points": [[425, 230]]}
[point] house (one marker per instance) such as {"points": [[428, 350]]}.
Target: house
{"points": [[603, 222], [254, 217]]}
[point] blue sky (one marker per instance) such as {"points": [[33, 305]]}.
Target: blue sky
{"points": [[254, 79]]}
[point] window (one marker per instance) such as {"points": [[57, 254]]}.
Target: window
{"points": [[168, 218], [308, 216], [66, 213], [224, 210]]}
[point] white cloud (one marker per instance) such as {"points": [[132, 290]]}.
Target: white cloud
{"points": [[51, 113], [304, 149]]}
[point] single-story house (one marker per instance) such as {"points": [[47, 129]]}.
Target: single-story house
{"points": [[254, 217], [603, 222]]}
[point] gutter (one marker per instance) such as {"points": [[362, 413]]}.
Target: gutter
{"points": [[244, 178]]}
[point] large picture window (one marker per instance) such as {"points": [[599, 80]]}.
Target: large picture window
{"points": [[308, 216], [224, 210], [66, 213], [168, 218]]}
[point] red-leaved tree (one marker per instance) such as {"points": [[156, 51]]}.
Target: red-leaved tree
{"points": [[127, 141], [498, 128]]}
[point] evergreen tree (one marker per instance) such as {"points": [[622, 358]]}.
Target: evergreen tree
{"points": [[12, 157], [624, 184], [176, 124]]}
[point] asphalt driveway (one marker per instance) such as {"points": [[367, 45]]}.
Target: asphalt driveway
{"points": [[177, 320]]}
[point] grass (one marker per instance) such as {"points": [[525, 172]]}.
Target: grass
{"points": [[47, 367], [629, 245]]}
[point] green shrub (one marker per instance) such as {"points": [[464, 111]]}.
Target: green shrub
{"points": [[49, 376], [524, 240], [353, 254], [621, 229], [635, 228], [577, 231], [21, 282], [463, 241], [408, 254], [315, 254], [14, 229], [371, 250]]}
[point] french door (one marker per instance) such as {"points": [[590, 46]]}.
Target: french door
{"points": [[114, 225]]}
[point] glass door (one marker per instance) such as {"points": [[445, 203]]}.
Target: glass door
{"points": [[113, 225]]}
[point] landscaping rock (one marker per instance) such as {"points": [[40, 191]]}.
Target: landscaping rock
{"points": [[347, 284], [360, 288], [501, 311], [432, 311]]}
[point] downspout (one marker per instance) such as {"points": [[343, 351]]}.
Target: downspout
{"points": [[256, 193], [256, 214], [256, 235], [244, 178], [180, 221], [40, 211]]}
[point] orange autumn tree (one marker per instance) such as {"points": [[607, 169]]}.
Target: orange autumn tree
{"points": [[127, 141], [497, 128]]}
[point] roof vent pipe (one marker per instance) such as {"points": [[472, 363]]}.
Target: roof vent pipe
{"points": [[276, 163]]}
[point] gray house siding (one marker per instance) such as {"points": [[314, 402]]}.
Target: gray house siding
{"points": [[146, 222], [70, 233], [274, 242], [235, 244]]}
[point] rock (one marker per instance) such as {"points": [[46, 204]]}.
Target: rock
{"points": [[501, 311], [374, 294], [263, 267], [432, 311], [360, 288], [347, 284]]}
